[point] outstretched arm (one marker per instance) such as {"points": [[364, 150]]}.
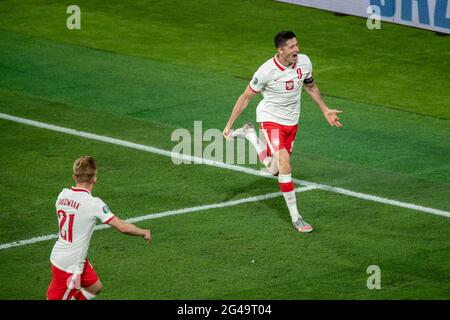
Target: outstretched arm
{"points": [[130, 229], [240, 105], [330, 114]]}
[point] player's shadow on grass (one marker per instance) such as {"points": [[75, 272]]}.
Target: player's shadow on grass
{"points": [[279, 206], [275, 204]]}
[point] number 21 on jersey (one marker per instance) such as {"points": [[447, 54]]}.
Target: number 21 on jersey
{"points": [[66, 227]]}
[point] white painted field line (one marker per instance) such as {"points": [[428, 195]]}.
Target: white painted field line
{"points": [[384, 200], [161, 215], [219, 164], [136, 146]]}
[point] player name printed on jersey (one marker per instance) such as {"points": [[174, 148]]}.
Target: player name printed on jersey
{"points": [[281, 89], [69, 203]]}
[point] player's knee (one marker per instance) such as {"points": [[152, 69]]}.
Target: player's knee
{"points": [[98, 288], [284, 167], [285, 170], [95, 289]]}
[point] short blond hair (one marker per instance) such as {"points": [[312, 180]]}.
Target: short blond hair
{"points": [[84, 169]]}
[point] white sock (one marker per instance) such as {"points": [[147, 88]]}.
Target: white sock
{"points": [[261, 150], [252, 137], [287, 188]]}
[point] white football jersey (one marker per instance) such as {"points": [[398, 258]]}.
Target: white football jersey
{"points": [[77, 211], [281, 89]]}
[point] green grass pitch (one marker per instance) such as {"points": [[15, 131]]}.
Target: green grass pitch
{"points": [[139, 71]]}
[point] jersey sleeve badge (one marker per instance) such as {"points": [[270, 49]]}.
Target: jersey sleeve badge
{"points": [[106, 209]]}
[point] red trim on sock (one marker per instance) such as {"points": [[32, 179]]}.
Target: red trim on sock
{"points": [[286, 187]]}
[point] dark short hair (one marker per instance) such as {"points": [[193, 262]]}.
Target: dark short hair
{"points": [[282, 37]]}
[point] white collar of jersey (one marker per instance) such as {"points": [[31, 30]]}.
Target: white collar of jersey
{"points": [[80, 190], [280, 66]]}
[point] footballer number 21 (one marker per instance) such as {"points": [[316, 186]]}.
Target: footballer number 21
{"points": [[66, 227]]}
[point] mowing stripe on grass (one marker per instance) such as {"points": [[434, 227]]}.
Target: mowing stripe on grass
{"points": [[163, 214], [208, 162]]}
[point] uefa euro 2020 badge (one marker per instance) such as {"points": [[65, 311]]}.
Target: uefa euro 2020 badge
{"points": [[106, 209]]}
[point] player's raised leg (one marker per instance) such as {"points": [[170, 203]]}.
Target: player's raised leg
{"points": [[248, 132]]}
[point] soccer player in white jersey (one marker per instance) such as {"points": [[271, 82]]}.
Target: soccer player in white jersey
{"points": [[280, 80], [77, 212]]}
